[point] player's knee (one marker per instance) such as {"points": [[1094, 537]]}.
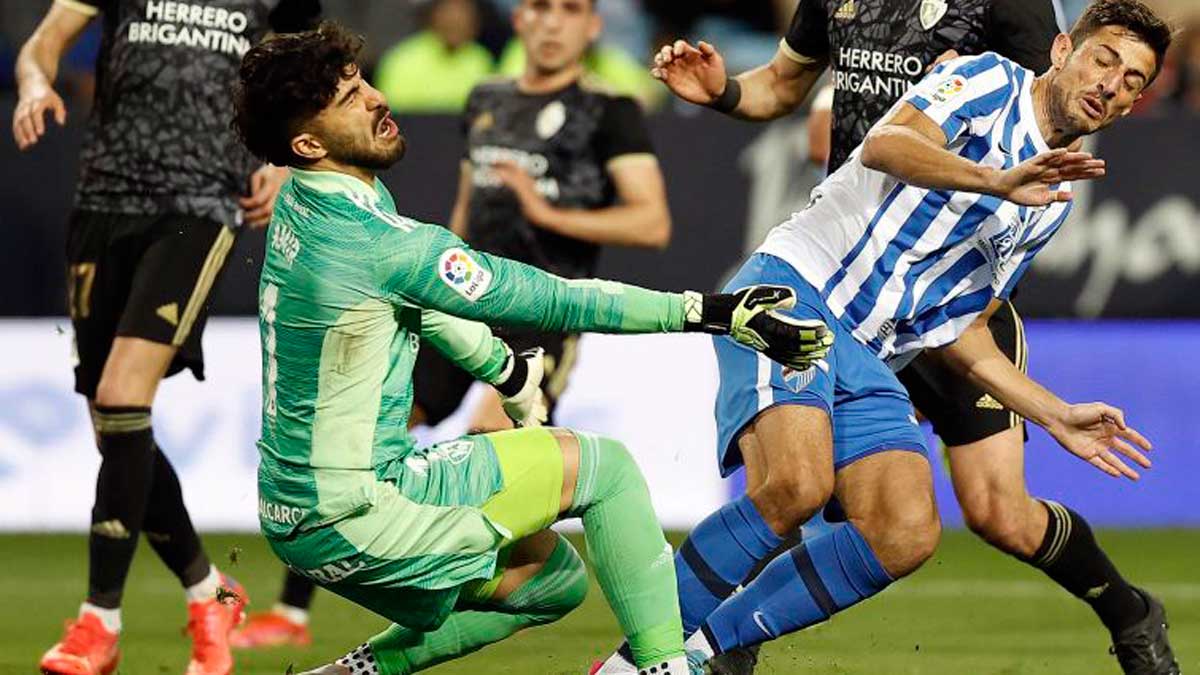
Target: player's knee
{"points": [[1000, 522], [905, 537], [788, 500], [120, 388], [559, 587], [616, 463]]}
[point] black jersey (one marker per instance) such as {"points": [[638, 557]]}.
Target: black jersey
{"points": [[879, 48], [564, 140], [159, 141]]}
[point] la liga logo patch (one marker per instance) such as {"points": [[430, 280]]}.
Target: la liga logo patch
{"points": [[950, 88], [460, 271]]}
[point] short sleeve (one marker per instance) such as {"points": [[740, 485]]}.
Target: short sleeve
{"points": [[622, 131], [295, 16], [84, 7], [807, 39], [1023, 30], [964, 94]]}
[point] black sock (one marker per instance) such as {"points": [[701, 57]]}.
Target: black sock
{"points": [[297, 591], [1071, 557], [122, 492], [169, 529]]}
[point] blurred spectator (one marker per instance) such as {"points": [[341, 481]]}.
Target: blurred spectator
{"points": [[435, 69], [611, 65], [627, 26]]}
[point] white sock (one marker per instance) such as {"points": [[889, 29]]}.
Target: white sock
{"points": [[294, 614], [698, 642], [675, 666], [617, 665], [361, 661], [206, 588], [110, 618]]}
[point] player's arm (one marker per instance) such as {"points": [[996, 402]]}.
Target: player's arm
{"points": [[472, 346], [1094, 432], [462, 200], [964, 97], [697, 73], [37, 68], [639, 218], [428, 266], [1022, 30]]}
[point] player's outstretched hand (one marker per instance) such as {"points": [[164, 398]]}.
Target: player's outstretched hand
{"points": [[1097, 434], [264, 188], [521, 389], [29, 118], [694, 74], [750, 317], [1029, 183]]}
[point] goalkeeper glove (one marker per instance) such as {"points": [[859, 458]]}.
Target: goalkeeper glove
{"points": [[749, 317], [520, 388]]}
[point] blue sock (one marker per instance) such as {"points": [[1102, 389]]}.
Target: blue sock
{"points": [[798, 589], [717, 556]]}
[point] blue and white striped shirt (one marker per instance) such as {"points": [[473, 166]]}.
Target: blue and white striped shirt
{"points": [[904, 268]]}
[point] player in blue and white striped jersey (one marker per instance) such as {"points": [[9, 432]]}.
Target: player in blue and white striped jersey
{"points": [[910, 246], [904, 267]]}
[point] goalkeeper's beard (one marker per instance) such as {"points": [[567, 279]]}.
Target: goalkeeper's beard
{"points": [[372, 156]]}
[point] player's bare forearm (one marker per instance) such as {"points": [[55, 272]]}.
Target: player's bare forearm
{"points": [[775, 89], [646, 224], [976, 356], [38, 61], [908, 148]]}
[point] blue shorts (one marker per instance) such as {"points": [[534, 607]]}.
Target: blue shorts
{"points": [[869, 407]]}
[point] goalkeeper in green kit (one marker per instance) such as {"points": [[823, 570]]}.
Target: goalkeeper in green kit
{"points": [[449, 542]]}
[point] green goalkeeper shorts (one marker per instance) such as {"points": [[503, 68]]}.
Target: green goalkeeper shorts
{"points": [[441, 520]]}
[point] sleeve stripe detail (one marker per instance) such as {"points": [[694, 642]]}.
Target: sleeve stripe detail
{"points": [[631, 158], [786, 50], [77, 6]]}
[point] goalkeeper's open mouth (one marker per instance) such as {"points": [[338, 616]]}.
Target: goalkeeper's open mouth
{"points": [[387, 127]]}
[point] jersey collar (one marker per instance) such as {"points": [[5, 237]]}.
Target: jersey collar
{"points": [[333, 181]]}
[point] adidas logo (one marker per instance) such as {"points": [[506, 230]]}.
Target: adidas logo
{"points": [[847, 11], [113, 529], [169, 313], [987, 402]]}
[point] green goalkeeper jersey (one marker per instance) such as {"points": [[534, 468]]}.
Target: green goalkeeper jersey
{"points": [[348, 290]]}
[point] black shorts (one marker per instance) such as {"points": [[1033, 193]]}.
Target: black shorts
{"points": [[439, 385], [140, 276], [960, 412]]}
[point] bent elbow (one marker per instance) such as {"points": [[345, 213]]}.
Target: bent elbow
{"points": [[871, 156], [660, 234]]}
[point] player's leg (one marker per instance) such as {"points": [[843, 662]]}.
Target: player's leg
{"points": [[540, 580], [892, 528], [776, 423], [986, 448], [544, 475]]}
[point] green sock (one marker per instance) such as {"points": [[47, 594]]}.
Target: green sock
{"points": [[556, 589], [634, 563]]}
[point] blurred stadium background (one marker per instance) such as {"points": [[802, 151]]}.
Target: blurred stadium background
{"points": [[1112, 306]]}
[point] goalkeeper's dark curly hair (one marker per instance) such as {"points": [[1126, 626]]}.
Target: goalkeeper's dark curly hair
{"points": [[284, 81]]}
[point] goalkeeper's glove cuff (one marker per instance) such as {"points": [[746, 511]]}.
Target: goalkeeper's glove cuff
{"points": [[711, 313], [512, 378]]}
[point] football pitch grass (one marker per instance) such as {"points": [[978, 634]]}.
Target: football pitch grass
{"points": [[969, 611]]}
